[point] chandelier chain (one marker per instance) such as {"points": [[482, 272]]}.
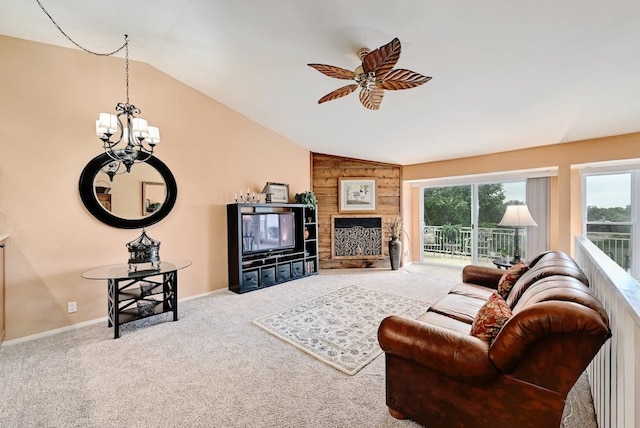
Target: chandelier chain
{"points": [[126, 53], [124, 45]]}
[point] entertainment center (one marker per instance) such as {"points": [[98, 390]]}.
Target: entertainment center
{"points": [[269, 244]]}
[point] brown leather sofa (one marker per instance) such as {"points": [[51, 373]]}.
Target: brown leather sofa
{"points": [[439, 375]]}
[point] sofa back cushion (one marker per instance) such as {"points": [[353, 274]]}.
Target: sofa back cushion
{"points": [[545, 267], [562, 288], [549, 255], [490, 318]]}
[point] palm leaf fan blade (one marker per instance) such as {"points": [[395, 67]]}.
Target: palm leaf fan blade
{"points": [[333, 71], [338, 93], [381, 60], [371, 98], [402, 79]]}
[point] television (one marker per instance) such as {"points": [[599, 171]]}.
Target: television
{"points": [[267, 232]]}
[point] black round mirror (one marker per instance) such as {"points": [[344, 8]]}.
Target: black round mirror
{"points": [[131, 200]]}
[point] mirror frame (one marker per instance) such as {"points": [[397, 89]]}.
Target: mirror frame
{"points": [[90, 201]]}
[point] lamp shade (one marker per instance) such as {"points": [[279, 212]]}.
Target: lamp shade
{"points": [[517, 216], [268, 189]]}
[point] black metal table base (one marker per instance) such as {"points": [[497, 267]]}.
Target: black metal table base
{"points": [[124, 295]]}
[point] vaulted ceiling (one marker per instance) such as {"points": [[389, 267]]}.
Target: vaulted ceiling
{"points": [[506, 75]]}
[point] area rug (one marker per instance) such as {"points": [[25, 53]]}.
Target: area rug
{"points": [[340, 328]]}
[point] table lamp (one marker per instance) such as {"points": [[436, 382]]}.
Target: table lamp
{"points": [[517, 216]]}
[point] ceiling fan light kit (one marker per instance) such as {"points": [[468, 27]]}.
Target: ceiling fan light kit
{"points": [[374, 75]]}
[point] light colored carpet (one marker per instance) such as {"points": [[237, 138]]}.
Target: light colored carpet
{"points": [[213, 367], [341, 327]]}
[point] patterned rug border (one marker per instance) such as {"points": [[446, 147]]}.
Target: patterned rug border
{"points": [[418, 307]]}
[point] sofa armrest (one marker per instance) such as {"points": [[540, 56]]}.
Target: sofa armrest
{"points": [[454, 354], [480, 275]]}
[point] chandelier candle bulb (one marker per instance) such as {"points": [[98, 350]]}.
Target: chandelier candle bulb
{"points": [[107, 121], [154, 135], [100, 131], [140, 127]]}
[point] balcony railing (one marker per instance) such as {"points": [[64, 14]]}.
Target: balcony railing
{"points": [[491, 241], [615, 245]]}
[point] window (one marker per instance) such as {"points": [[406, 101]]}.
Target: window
{"points": [[608, 215]]}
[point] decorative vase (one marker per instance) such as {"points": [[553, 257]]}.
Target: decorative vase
{"points": [[306, 233], [395, 252]]}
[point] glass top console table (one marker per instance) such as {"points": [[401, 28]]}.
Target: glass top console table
{"points": [[136, 295]]}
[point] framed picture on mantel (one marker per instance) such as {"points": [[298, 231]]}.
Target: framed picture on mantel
{"points": [[357, 195]]}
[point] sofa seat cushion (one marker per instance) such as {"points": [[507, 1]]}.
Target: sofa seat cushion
{"points": [[473, 290], [457, 306], [490, 319], [439, 320]]}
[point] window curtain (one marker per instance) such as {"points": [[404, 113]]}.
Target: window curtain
{"points": [[538, 202]]}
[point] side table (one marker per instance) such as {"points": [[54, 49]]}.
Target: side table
{"points": [[132, 295], [502, 265]]}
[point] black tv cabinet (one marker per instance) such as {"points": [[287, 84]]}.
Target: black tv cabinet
{"points": [[253, 271]]}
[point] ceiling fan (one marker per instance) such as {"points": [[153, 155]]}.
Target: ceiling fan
{"points": [[374, 75]]}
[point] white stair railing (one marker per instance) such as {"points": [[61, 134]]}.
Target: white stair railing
{"points": [[614, 374]]}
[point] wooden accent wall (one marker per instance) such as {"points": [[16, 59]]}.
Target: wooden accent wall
{"points": [[326, 171]]}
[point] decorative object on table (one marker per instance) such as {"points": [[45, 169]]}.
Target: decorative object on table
{"points": [[247, 198], [146, 288], [142, 250], [308, 199], [504, 256], [268, 192], [395, 243], [374, 75], [146, 307], [347, 339], [357, 195], [517, 216], [278, 192]]}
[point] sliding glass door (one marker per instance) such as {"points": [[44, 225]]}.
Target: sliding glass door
{"points": [[460, 223], [447, 221]]}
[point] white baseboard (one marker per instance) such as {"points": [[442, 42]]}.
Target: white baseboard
{"points": [[86, 323]]}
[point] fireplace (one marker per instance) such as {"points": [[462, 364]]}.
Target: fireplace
{"points": [[354, 236]]}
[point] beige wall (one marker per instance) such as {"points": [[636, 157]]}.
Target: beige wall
{"points": [[49, 100], [566, 187]]}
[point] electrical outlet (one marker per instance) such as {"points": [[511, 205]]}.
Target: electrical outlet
{"points": [[72, 307]]}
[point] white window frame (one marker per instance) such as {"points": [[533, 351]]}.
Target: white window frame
{"points": [[634, 198]]}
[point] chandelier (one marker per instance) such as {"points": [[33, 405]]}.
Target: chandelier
{"points": [[134, 140], [127, 139]]}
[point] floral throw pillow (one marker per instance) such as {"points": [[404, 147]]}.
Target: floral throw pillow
{"points": [[490, 318], [510, 277]]}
